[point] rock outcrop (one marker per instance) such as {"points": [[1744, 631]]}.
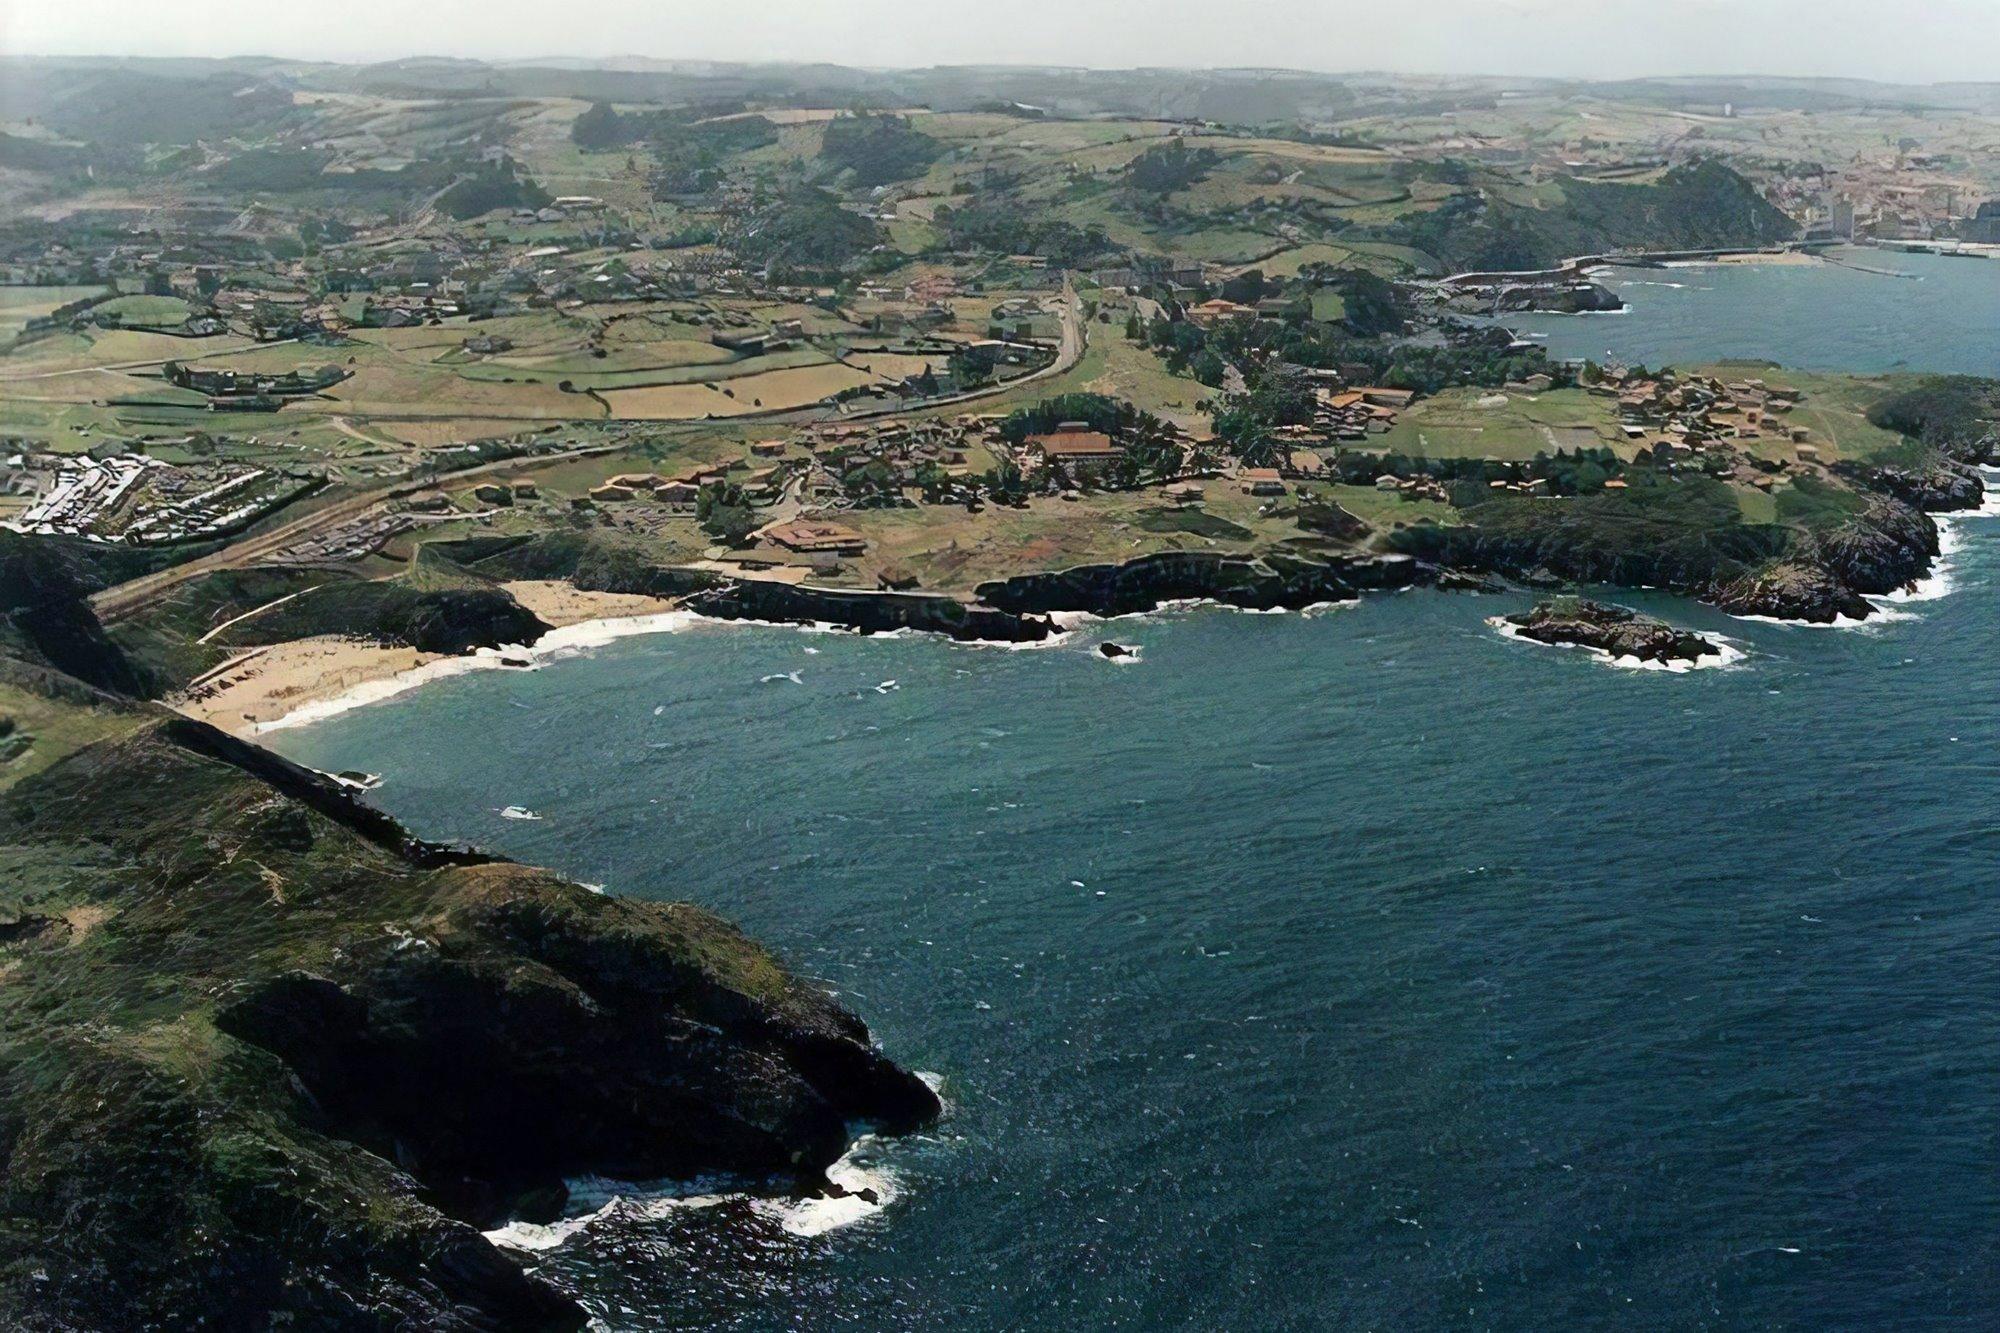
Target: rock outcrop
{"points": [[1791, 590], [1941, 486], [1888, 545], [1614, 630], [1271, 581]]}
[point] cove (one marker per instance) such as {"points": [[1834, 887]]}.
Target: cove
{"points": [[1358, 969]]}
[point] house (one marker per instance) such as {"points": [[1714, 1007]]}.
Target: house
{"points": [[1184, 493], [636, 481], [679, 494], [768, 448], [1075, 443], [812, 537], [1262, 481], [609, 491], [1218, 311], [1396, 398]]}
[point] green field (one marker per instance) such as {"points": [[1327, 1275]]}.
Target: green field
{"points": [[1483, 423]]}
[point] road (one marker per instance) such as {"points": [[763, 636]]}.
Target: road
{"points": [[125, 598]]}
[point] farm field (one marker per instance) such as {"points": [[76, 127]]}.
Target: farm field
{"points": [[18, 305]]}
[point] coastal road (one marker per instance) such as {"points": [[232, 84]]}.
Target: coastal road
{"points": [[125, 598]]}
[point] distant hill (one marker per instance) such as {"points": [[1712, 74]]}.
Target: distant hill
{"points": [[1702, 205]]}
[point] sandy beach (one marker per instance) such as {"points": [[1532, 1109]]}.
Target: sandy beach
{"points": [[262, 685], [560, 604], [1784, 258], [265, 684]]}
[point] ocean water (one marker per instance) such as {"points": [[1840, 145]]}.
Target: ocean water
{"points": [[1364, 969], [1941, 315]]}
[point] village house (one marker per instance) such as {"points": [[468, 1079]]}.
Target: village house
{"points": [[1075, 444], [1262, 481], [814, 537], [1218, 311]]}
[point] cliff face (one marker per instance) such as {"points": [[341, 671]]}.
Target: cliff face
{"points": [[1888, 545], [264, 1057], [1791, 590], [1941, 485], [1272, 580]]}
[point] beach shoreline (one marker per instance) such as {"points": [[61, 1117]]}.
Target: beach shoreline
{"points": [[288, 684]]}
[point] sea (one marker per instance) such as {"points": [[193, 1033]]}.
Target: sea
{"points": [[1866, 309], [1355, 969]]}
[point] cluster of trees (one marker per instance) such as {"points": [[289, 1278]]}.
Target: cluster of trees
{"points": [[725, 514], [1477, 359], [1149, 448], [1662, 531], [469, 186], [877, 149], [1096, 410], [494, 185], [1006, 225], [690, 144], [805, 228], [1169, 167], [1580, 471], [1696, 206]]}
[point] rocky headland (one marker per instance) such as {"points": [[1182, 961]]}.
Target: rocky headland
{"points": [[267, 1059]]}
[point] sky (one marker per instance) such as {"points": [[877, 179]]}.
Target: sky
{"points": [[1914, 41]]}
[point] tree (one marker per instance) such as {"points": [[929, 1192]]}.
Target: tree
{"points": [[1208, 368], [724, 514], [1005, 483], [1132, 330], [1247, 287], [599, 127]]}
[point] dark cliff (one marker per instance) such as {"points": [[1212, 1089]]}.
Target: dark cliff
{"points": [[266, 1058], [1270, 581]]}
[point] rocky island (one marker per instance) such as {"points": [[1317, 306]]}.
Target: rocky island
{"points": [[1617, 632]]}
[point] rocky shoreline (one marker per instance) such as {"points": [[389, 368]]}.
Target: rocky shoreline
{"points": [[1016, 610]]}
